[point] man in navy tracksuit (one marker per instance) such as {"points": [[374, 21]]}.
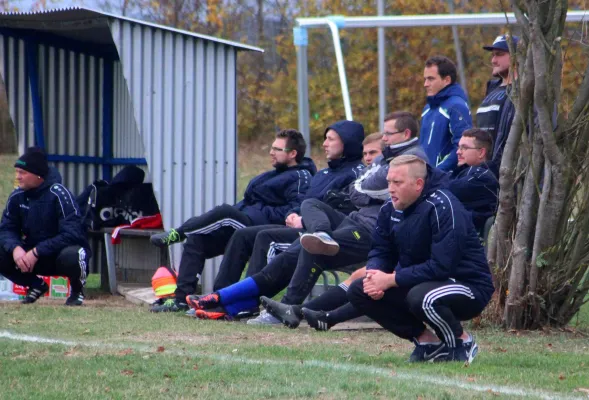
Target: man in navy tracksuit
{"points": [[41, 231], [267, 200], [343, 148], [446, 114], [426, 265], [473, 182]]}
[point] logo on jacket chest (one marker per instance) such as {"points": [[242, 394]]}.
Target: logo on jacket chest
{"points": [[26, 207]]}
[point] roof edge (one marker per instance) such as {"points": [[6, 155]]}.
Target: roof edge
{"points": [[140, 22]]}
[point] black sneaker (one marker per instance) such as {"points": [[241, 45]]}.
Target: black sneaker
{"points": [[428, 352], [166, 238], [250, 313], [316, 319], [169, 305], [75, 299], [463, 352], [282, 312], [34, 293]]}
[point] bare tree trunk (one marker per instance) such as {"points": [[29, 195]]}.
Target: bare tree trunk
{"points": [[507, 200], [514, 306]]}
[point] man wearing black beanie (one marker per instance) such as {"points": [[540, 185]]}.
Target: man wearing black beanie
{"points": [[41, 231]]}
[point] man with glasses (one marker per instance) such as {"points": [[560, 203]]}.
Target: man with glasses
{"points": [[473, 182], [267, 200], [343, 149]]}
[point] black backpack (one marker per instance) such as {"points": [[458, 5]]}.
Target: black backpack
{"points": [[106, 205]]}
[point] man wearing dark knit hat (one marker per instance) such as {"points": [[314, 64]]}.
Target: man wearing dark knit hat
{"points": [[41, 231]]}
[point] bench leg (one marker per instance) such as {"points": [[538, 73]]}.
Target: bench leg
{"points": [[110, 262]]}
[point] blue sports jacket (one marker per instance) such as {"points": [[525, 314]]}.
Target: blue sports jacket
{"points": [[445, 116]]}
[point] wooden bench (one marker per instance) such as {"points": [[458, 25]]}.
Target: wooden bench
{"points": [[134, 260]]}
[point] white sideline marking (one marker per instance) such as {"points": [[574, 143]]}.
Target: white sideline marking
{"points": [[358, 368]]}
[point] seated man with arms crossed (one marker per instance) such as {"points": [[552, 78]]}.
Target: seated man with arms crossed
{"points": [[343, 149], [266, 200]]}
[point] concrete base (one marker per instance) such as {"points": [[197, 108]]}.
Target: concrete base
{"points": [[137, 293]]}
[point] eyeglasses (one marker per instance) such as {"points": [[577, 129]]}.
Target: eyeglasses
{"points": [[277, 149], [385, 133], [464, 148]]}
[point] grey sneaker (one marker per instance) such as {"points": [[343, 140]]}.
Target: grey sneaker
{"points": [[264, 319], [166, 238], [319, 243]]}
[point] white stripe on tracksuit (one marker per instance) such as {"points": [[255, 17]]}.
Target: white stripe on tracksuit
{"points": [[275, 247], [82, 263], [217, 225], [434, 317]]}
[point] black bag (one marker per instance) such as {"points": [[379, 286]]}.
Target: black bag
{"points": [[340, 201], [107, 205]]}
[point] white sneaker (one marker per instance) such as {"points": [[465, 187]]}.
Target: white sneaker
{"points": [[264, 318], [319, 243]]}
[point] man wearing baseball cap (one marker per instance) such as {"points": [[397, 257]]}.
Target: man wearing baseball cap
{"points": [[496, 112], [41, 231]]}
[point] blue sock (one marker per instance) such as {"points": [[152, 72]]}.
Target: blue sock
{"points": [[243, 290], [242, 305]]}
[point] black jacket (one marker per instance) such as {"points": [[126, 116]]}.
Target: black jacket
{"points": [[505, 120], [432, 240], [478, 189], [46, 217], [270, 195]]}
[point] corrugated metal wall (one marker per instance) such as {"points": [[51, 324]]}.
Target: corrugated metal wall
{"points": [[183, 92], [13, 68], [127, 141], [70, 88]]}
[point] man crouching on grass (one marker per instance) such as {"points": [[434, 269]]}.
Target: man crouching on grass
{"points": [[426, 266], [41, 231]]}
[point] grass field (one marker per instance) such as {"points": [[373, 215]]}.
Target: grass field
{"points": [[112, 349], [6, 177]]}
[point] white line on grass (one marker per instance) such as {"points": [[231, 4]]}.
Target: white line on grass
{"points": [[357, 368]]}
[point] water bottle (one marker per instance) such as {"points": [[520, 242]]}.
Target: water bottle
{"points": [[8, 296], [6, 293]]}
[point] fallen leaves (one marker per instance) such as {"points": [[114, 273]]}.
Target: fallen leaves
{"points": [[161, 349], [125, 352], [127, 372]]}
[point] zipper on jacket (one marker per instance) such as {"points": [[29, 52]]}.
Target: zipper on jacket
{"points": [[431, 131]]}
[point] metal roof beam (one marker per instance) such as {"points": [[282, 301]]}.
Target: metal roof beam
{"points": [[414, 21]]}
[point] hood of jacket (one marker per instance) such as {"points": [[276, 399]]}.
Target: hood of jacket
{"points": [[352, 134]]}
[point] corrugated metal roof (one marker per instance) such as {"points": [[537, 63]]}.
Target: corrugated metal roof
{"points": [[90, 26]]}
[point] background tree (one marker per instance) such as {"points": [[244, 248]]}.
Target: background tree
{"points": [[541, 247]]}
